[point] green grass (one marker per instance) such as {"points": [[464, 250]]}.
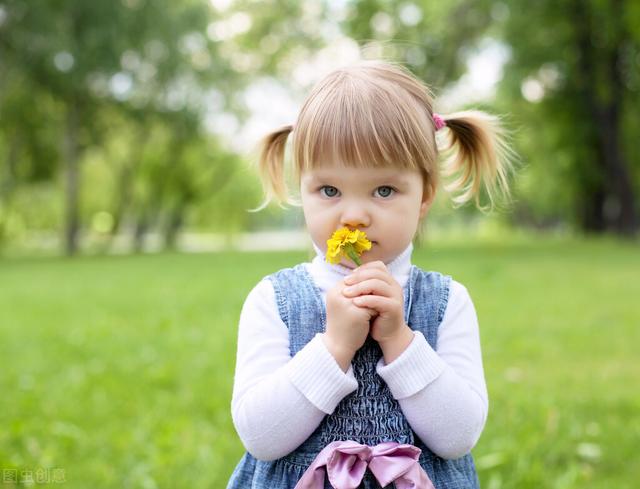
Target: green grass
{"points": [[118, 370]]}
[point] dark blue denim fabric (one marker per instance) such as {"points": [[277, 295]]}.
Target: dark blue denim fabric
{"points": [[370, 415]]}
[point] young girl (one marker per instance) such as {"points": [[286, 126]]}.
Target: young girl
{"points": [[359, 377]]}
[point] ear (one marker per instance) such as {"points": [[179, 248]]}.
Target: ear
{"points": [[425, 205]]}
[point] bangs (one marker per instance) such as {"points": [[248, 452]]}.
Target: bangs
{"points": [[363, 122]]}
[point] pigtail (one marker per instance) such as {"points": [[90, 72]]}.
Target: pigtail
{"points": [[478, 156], [271, 166]]}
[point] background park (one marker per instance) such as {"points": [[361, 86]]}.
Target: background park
{"points": [[127, 136]]}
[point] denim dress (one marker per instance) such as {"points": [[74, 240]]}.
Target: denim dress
{"points": [[370, 415]]}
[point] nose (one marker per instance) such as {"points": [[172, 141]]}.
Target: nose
{"points": [[355, 215]]}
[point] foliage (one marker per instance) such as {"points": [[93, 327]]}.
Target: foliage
{"points": [[73, 83], [572, 75]]}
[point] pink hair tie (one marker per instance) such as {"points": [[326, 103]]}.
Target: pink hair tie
{"points": [[438, 121]]}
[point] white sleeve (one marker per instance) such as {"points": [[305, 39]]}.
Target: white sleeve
{"points": [[278, 401], [443, 394]]}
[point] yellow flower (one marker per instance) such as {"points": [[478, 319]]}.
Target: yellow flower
{"points": [[349, 243]]}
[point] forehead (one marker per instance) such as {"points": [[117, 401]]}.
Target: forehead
{"points": [[361, 176]]}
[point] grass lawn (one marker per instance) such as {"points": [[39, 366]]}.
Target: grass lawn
{"points": [[116, 372]]}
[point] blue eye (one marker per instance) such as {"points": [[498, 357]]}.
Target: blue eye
{"points": [[328, 191], [385, 191]]}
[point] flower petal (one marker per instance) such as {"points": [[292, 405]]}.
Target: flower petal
{"points": [[343, 240]]}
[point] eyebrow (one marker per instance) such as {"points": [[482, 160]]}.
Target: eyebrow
{"points": [[392, 178]]}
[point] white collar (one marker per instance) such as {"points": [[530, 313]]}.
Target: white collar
{"points": [[326, 274]]}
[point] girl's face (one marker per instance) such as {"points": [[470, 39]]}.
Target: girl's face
{"points": [[385, 203]]}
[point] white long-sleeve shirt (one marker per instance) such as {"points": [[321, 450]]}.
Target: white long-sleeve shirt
{"points": [[279, 400]]}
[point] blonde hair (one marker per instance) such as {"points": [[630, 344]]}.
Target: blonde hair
{"points": [[378, 114]]}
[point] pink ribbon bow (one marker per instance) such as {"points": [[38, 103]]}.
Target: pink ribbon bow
{"points": [[347, 461]]}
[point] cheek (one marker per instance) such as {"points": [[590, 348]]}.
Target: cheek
{"points": [[407, 223], [318, 226], [403, 228]]}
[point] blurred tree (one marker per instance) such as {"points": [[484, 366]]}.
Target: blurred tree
{"points": [[28, 144], [432, 38], [573, 74], [145, 60]]}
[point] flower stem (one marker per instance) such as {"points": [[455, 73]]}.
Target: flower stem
{"points": [[353, 255]]}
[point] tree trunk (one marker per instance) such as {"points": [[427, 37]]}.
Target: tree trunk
{"points": [[591, 209], [8, 184], [173, 226], [140, 232], [126, 180], [72, 170], [612, 202]]}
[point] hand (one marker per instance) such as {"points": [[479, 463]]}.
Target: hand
{"points": [[372, 286], [347, 325]]}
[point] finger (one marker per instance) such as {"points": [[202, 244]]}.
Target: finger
{"points": [[370, 273], [373, 264], [369, 287], [376, 302]]}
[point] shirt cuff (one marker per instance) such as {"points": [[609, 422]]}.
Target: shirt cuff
{"points": [[317, 375], [413, 370]]}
